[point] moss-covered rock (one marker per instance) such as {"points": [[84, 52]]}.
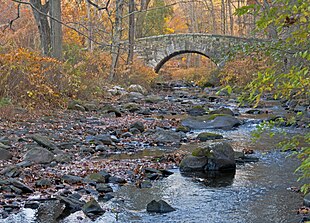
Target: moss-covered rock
{"points": [[225, 111], [182, 128], [204, 136], [206, 152]]}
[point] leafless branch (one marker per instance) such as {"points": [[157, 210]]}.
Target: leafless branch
{"points": [[64, 24], [98, 7], [157, 8], [10, 23]]}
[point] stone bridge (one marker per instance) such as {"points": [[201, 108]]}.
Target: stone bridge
{"points": [[157, 50]]}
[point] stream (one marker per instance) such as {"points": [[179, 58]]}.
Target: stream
{"points": [[256, 193]]}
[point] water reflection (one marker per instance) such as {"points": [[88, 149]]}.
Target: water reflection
{"points": [[213, 178]]}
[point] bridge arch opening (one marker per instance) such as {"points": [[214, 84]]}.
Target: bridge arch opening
{"points": [[167, 58]]}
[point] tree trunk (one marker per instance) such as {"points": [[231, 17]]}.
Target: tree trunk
{"points": [[43, 25], [141, 17], [231, 18], [56, 31], [223, 17], [214, 25], [131, 32], [90, 28], [116, 38]]}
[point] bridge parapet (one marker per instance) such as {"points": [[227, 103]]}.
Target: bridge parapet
{"points": [[156, 50]]}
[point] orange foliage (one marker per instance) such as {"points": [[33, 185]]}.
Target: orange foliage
{"points": [[240, 71]]}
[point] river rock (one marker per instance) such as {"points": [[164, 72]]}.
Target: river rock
{"points": [[71, 179], [44, 141], [222, 110], [132, 96], [153, 99], [137, 88], [225, 122], [204, 136], [165, 136], [99, 139], [43, 183], [97, 178], [104, 188], [307, 200], [11, 171], [196, 111], [4, 154], [132, 107], [193, 163], [159, 207], [117, 90], [222, 157], [92, 209], [214, 157], [117, 180], [3, 146], [21, 186], [39, 155], [72, 203], [108, 108], [50, 211], [138, 125]]}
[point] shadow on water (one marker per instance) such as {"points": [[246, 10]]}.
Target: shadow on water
{"points": [[212, 178]]}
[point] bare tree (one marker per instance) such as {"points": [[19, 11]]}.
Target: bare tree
{"points": [[116, 37], [141, 18], [56, 29], [40, 12], [131, 31]]}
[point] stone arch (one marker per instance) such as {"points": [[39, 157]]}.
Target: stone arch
{"points": [[176, 53]]}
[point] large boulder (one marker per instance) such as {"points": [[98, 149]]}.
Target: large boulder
{"points": [[214, 157], [216, 121], [193, 163], [39, 155]]}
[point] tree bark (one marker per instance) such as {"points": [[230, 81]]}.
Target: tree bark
{"points": [[116, 38], [43, 25], [56, 29], [131, 32], [141, 18]]}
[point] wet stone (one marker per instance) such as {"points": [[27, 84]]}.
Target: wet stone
{"points": [[159, 207]]}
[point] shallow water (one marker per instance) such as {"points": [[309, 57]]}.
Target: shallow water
{"points": [[255, 193], [258, 192]]}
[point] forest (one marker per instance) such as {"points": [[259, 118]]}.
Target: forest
{"points": [[154, 110]]}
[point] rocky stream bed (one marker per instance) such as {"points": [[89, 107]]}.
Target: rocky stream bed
{"points": [[110, 161]]}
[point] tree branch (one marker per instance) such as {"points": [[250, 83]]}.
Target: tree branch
{"points": [[10, 23], [98, 7], [64, 24]]}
